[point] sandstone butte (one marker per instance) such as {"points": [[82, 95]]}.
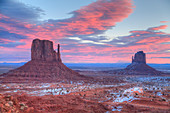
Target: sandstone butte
{"points": [[138, 66], [45, 66]]}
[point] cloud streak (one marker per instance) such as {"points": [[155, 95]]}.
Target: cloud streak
{"points": [[158, 28], [20, 11]]}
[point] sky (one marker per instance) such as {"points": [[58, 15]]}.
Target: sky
{"points": [[89, 31]]}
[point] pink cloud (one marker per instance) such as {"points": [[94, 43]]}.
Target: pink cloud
{"points": [[154, 40], [100, 15], [6, 41], [159, 27], [164, 21], [94, 18]]}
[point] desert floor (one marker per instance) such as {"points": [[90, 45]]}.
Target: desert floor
{"points": [[106, 93]]}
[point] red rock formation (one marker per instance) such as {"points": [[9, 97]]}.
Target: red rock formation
{"points": [[45, 65], [139, 66]]}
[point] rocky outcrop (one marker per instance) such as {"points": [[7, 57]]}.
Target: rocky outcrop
{"points": [[45, 65], [11, 104], [138, 66]]}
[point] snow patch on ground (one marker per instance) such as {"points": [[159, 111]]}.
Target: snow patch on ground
{"points": [[128, 95], [159, 94], [118, 108], [123, 99], [134, 90]]}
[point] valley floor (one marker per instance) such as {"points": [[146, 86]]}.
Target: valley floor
{"points": [[105, 94]]}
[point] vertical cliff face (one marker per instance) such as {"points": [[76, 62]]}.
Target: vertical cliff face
{"points": [[140, 57], [42, 50]]}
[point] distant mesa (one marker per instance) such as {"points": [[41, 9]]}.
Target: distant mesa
{"points": [[45, 65], [138, 66]]}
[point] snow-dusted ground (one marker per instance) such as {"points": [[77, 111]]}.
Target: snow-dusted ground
{"points": [[158, 80], [51, 88], [128, 95], [122, 94]]}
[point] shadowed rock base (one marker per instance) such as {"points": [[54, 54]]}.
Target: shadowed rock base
{"points": [[141, 69]]}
